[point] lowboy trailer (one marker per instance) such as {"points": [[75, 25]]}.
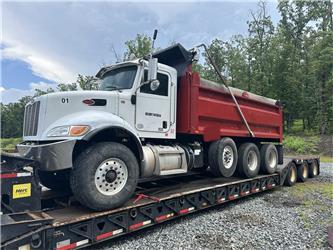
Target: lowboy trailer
{"points": [[36, 218], [135, 153]]}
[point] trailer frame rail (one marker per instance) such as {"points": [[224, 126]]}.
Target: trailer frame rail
{"points": [[76, 227]]}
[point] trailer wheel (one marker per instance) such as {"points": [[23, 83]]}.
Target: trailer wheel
{"points": [[55, 180], [222, 157], [303, 172], [313, 169], [104, 176], [291, 176], [248, 160], [268, 158]]}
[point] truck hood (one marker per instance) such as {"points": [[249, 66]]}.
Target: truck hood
{"points": [[61, 108]]}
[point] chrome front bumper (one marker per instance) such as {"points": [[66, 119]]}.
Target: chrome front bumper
{"points": [[52, 156]]}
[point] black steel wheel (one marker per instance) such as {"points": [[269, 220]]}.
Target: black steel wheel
{"points": [[313, 169], [291, 176], [303, 172], [248, 160], [268, 158], [104, 176], [222, 157]]}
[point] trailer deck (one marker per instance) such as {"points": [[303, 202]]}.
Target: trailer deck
{"points": [[62, 223]]}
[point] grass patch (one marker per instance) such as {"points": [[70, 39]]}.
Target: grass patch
{"points": [[325, 189], [327, 159], [315, 197], [9, 143], [300, 145]]}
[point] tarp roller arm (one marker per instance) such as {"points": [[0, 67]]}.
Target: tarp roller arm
{"points": [[227, 86]]}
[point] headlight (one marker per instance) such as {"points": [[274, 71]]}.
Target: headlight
{"points": [[76, 130]]}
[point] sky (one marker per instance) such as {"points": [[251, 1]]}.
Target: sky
{"points": [[43, 43]]}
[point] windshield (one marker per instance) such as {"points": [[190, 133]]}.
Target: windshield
{"points": [[120, 78]]}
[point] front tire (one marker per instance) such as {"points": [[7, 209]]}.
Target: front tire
{"points": [[104, 176]]}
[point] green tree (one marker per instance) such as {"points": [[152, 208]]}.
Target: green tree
{"points": [[261, 31], [12, 118], [87, 82], [138, 47], [305, 26]]}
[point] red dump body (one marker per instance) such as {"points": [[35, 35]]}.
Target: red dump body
{"points": [[207, 110]]}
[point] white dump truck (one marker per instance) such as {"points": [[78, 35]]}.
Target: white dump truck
{"points": [[151, 117]]}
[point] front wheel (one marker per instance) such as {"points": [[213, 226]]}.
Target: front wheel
{"points": [[104, 176]]}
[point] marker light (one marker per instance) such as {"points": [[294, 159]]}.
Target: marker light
{"points": [[78, 130]]}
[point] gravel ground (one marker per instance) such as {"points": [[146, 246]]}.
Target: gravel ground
{"points": [[295, 218]]}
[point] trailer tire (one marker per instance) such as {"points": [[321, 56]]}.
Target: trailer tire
{"points": [[222, 157], [291, 177], [248, 160], [268, 158], [104, 176], [313, 169], [303, 172], [55, 180]]}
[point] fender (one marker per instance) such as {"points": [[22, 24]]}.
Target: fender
{"points": [[91, 134], [98, 120]]}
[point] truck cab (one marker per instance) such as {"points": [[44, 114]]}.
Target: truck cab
{"points": [[149, 109]]}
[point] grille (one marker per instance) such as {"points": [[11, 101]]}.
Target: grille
{"points": [[31, 115]]}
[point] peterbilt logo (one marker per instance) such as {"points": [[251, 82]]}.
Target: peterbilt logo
{"points": [[89, 102], [95, 102]]}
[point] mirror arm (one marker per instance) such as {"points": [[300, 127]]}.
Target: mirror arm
{"points": [[137, 88]]}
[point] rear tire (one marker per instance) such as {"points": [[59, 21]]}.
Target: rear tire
{"points": [[104, 176], [313, 169], [248, 160], [291, 176], [268, 158], [222, 157], [55, 180], [303, 172]]}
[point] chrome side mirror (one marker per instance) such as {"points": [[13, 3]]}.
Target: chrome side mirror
{"points": [[152, 69]]}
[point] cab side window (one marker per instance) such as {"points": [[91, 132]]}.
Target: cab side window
{"points": [[162, 89]]}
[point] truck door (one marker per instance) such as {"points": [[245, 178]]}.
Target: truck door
{"points": [[153, 108]]}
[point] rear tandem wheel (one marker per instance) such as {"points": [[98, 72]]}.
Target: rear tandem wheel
{"points": [[313, 169], [291, 176], [303, 172]]}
